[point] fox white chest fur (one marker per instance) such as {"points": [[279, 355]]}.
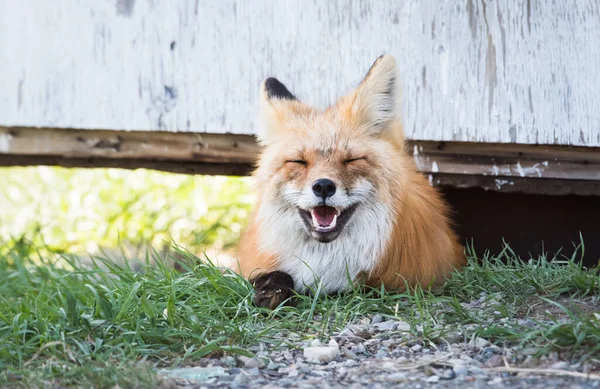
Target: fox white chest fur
{"points": [[336, 264]]}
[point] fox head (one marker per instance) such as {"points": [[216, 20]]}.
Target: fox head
{"points": [[322, 169]]}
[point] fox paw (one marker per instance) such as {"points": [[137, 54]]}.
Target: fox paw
{"points": [[272, 289]]}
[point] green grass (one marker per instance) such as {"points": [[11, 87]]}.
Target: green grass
{"points": [[90, 210], [102, 324], [66, 320]]}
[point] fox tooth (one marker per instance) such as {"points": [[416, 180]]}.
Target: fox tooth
{"points": [[314, 219]]}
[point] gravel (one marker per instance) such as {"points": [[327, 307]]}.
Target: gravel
{"points": [[379, 352]]}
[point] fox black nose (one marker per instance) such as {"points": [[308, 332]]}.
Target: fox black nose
{"points": [[323, 188]]}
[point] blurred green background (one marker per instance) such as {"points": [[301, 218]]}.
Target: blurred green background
{"points": [[100, 210]]}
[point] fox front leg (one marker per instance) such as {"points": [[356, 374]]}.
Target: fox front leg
{"points": [[272, 289]]}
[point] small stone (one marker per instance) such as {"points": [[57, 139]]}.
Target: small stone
{"points": [[493, 349], [242, 378], [402, 326], [288, 356], [529, 351], [526, 323], [478, 342], [397, 353], [377, 319], [388, 343], [193, 373], [364, 320], [430, 370], [322, 354], [530, 362], [560, 365], [389, 325], [242, 358], [460, 370], [348, 353], [284, 383], [495, 361], [360, 348], [350, 363], [315, 343], [396, 377], [228, 361], [346, 333], [293, 373], [373, 342], [433, 379], [362, 334], [254, 363], [273, 366], [448, 374], [381, 354], [416, 348]]}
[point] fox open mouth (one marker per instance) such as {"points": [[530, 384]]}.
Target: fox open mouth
{"points": [[324, 222]]}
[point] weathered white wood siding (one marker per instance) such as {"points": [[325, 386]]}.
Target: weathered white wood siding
{"points": [[523, 71]]}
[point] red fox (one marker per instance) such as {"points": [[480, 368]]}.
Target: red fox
{"points": [[339, 200]]}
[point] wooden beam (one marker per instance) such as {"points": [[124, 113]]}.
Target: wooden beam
{"points": [[128, 145], [500, 167], [508, 160], [182, 167]]}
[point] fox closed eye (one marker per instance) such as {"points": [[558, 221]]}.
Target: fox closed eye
{"points": [[297, 161], [350, 160]]}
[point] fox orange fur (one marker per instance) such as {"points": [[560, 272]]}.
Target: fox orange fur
{"points": [[339, 200]]}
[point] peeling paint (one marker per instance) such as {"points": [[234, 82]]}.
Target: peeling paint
{"points": [[459, 86], [534, 170], [500, 170], [434, 167], [500, 183], [520, 169]]}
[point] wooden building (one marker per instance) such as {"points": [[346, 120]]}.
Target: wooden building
{"points": [[500, 97]]}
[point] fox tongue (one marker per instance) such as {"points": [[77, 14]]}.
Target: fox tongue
{"points": [[324, 215]]}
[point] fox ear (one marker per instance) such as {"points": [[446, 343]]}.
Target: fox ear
{"points": [[376, 101], [275, 101], [276, 90]]}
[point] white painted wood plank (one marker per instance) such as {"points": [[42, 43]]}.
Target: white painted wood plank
{"points": [[521, 71]]}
